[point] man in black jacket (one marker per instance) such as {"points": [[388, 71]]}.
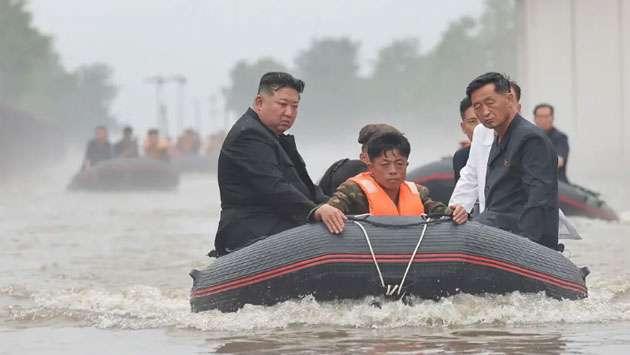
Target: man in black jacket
{"points": [[265, 188], [522, 178], [468, 124], [98, 149], [544, 117]]}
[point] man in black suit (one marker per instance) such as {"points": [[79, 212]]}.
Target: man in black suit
{"points": [[544, 117], [522, 178], [265, 188]]}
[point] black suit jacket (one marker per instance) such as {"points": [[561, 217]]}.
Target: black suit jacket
{"points": [[561, 142], [265, 188], [522, 184]]}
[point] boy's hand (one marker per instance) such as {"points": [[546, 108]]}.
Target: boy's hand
{"points": [[459, 214], [332, 217]]}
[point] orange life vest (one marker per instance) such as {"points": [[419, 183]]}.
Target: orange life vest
{"points": [[409, 202]]}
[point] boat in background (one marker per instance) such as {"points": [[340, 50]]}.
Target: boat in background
{"points": [[127, 174], [574, 200]]}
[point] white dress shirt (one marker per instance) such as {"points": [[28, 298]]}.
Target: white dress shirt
{"points": [[472, 180], [471, 185]]}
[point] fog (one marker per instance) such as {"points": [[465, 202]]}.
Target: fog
{"points": [[87, 268], [202, 40]]}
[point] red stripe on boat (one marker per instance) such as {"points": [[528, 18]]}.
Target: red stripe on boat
{"points": [[388, 258]]}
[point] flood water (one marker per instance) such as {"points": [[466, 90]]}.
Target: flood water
{"points": [[107, 273]]}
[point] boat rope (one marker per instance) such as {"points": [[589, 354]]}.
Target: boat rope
{"points": [[367, 239], [413, 255], [395, 289]]}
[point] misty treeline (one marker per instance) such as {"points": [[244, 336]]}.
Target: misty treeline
{"points": [[407, 85], [34, 81]]}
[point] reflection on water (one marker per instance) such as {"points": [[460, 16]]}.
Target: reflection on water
{"points": [[114, 266]]}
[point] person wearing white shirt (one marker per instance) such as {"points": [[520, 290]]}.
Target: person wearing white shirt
{"points": [[473, 175]]}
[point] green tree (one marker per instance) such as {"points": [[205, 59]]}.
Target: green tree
{"points": [[333, 87], [32, 78]]}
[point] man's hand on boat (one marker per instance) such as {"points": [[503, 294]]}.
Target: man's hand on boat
{"points": [[335, 220], [332, 217], [459, 214]]}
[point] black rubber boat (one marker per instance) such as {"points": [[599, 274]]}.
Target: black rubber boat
{"points": [[127, 174], [574, 200], [450, 259], [196, 164]]}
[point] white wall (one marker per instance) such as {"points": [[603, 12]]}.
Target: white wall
{"points": [[575, 55]]}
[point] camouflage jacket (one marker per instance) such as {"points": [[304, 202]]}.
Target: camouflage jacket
{"points": [[350, 199]]}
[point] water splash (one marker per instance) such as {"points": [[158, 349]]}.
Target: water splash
{"points": [[144, 307]]}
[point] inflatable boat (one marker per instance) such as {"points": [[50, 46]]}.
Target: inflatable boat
{"points": [[574, 200], [195, 164], [390, 256], [127, 174]]}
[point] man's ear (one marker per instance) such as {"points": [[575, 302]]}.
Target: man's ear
{"points": [[370, 166], [364, 157], [258, 102], [461, 125]]}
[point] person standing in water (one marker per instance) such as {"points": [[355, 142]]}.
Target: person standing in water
{"points": [[544, 117]]}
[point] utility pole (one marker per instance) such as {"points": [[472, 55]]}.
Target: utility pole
{"points": [[212, 100], [160, 109], [181, 81]]}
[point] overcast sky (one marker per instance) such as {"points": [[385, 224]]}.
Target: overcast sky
{"points": [[202, 39]]}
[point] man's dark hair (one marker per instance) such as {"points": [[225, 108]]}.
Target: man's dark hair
{"points": [[153, 131], [368, 131], [543, 105], [128, 130], [501, 83], [464, 105], [99, 127], [386, 142], [274, 81], [517, 90]]}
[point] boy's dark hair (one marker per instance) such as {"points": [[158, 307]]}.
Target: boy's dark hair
{"points": [[128, 130], [153, 131], [385, 142], [464, 105], [517, 90], [501, 83], [543, 105], [274, 81]]}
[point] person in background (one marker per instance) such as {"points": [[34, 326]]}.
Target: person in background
{"points": [[343, 169], [127, 146], [213, 144], [544, 117], [383, 189], [521, 187], [188, 143], [155, 147], [264, 185], [468, 124], [98, 148]]}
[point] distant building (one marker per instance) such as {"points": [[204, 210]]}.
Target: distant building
{"points": [[575, 54]]}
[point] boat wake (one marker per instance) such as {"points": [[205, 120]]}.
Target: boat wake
{"points": [[144, 307]]}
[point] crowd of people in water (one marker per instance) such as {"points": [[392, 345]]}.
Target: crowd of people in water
{"points": [[155, 146]]}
